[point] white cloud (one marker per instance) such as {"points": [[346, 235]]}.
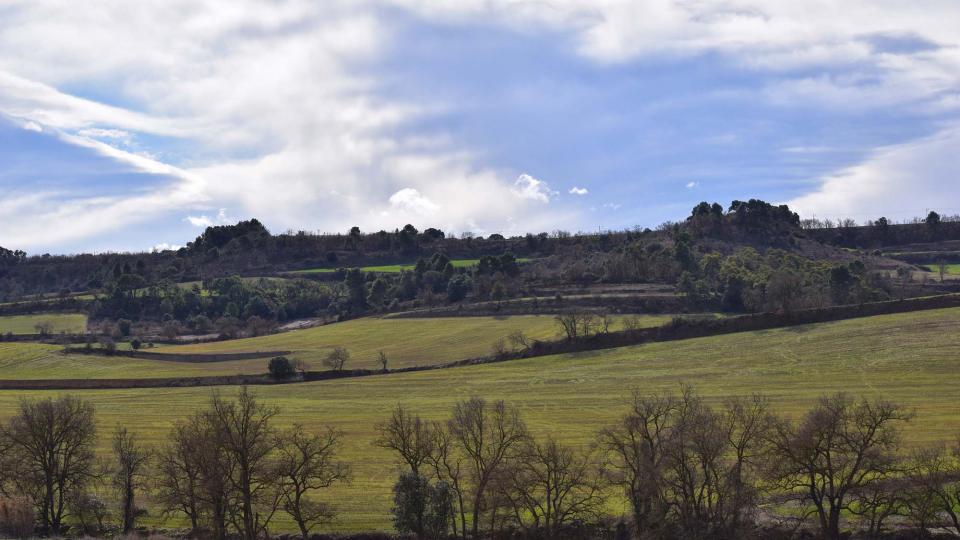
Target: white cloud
{"points": [[578, 191], [691, 185], [528, 187], [199, 221], [409, 199], [32, 126], [163, 246], [612, 206], [899, 182], [206, 221], [287, 130], [281, 126]]}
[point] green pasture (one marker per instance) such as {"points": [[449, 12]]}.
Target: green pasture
{"points": [[911, 358], [71, 323], [19, 361], [406, 342]]}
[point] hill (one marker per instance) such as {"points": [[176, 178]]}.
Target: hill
{"points": [[910, 358]]}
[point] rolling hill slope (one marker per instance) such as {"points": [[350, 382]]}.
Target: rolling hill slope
{"points": [[911, 358]]}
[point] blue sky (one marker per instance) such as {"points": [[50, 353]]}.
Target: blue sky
{"points": [[125, 128]]}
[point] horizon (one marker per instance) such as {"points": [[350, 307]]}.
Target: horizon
{"points": [[124, 129]]}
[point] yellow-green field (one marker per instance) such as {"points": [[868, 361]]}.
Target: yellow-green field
{"points": [[912, 358], [71, 323], [20, 361], [406, 342]]}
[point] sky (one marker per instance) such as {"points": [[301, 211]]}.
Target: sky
{"points": [[132, 126]]}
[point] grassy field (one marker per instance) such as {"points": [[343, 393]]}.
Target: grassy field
{"points": [[39, 361], [912, 358], [60, 322], [396, 268], [407, 342]]}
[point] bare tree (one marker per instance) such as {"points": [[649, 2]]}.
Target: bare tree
{"points": [[550, 485], [576, 324], [407, 435], [450, 467], [129, 474], [179, 478], [194, 475], [50, 444], [936, 487], [519, 341], [244, 429], [839, 448], [382, 360], [486, 435], [45, 328], [308, 463], [636, 447], [337, 359]]}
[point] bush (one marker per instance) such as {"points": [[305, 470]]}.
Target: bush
{"points": [[123, 325], [17, 517], [135, 344], [281, 368], [337, 359]]}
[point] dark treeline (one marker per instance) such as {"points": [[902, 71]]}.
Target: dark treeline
{"points": [[681, 466], [882, 232]]}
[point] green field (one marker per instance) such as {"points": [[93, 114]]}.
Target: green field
{"points": [[912, 358], [407, 342], [71, 323], [20, 361], [396, 268]]}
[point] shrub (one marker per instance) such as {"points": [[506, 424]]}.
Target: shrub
{"points": [[337, 358], [17, 517], [123, 325], [281, 368]]}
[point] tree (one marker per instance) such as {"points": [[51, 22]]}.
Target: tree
{"points": [[382, 360], [130, 473], [458, 287], [935, 487], [421, 507], [784, 288], [410, 437], [551, 486], [281, 368], [48, 454], [378, 293], [576, 324], [307, 463], [637, 449], [123, 325], [337, 358], [487, 436], [44, 328], [412, 440], [498, 292], [194, 475], [244, 429], [933, 221], [838, 448]]}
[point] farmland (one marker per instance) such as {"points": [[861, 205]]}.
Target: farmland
{"points": [[910, 358], [406, 342], [47, 362], [70, 323]]}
